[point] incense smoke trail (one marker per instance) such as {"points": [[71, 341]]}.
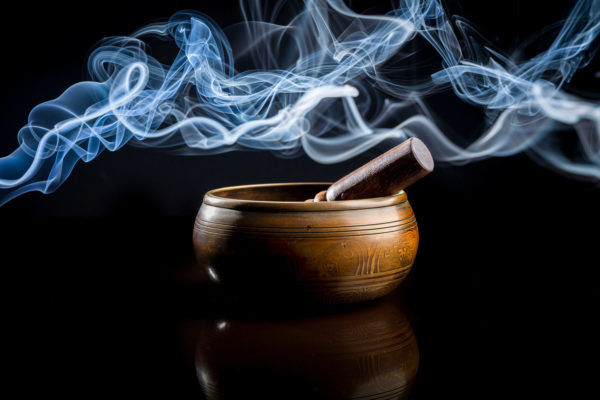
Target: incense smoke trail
{"points": [[327, 83]]}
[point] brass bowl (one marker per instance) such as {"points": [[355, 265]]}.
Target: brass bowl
{"points": [[266, 238]]}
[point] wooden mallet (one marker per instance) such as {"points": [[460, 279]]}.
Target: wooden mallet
{"points": [[391, 172]]}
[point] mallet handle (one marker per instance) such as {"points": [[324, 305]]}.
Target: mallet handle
{"points": [[385, 175]]}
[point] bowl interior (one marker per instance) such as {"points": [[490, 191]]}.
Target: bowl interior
{"points": [[272, 192], [275, 197]]}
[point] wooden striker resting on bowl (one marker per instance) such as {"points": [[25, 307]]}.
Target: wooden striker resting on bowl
{"points": [[269, 239]]}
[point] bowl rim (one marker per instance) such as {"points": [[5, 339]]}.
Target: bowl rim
{"points": [[213, 199]]}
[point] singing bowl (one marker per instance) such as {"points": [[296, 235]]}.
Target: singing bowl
{"points": [[266, 238]]}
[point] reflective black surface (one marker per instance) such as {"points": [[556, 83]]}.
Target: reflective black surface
{"points": [[366, 351], [116, 311]]}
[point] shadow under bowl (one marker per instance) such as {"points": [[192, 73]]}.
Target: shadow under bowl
{"points": [[267, 240]]}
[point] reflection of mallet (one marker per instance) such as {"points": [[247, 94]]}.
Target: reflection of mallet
{"points": [[385, 175]]}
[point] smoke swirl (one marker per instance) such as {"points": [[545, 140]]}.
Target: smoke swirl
{"points": [[327, 83]]}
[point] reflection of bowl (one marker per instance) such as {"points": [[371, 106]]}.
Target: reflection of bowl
{"points": [[267, 238], [364, 353]]}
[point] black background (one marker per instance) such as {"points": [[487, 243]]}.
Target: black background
{"points": [[504, 292]]}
